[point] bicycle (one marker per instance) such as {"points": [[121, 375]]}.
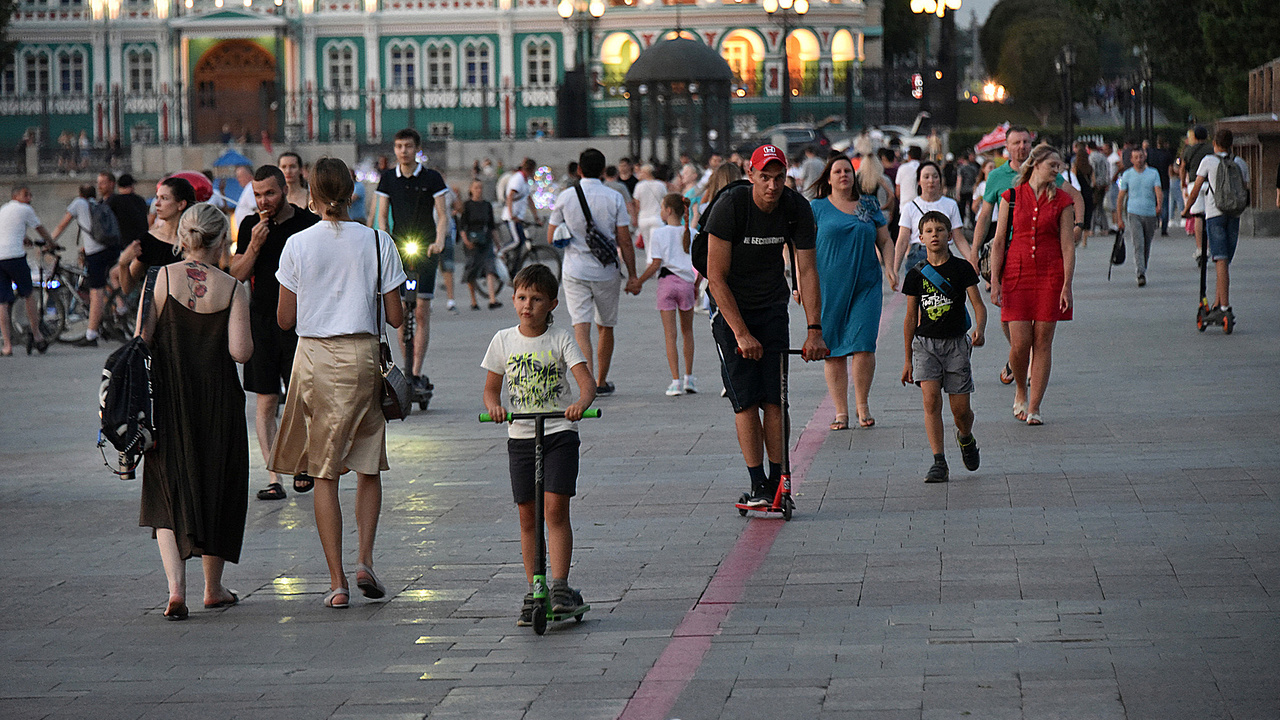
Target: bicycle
{"points": [[64, 293], [517, 255]]}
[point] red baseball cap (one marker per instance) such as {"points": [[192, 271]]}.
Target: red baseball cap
{"points": [[766, 154]]}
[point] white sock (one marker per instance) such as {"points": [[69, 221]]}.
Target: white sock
{"points": [[90, 334]]}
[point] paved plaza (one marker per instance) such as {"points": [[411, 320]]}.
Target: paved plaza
{"points": [[1122, 561]]}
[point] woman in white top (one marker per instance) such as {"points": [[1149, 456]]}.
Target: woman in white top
{"points": [[930, 198], [670, 261], [333, 419], [648, 195]]}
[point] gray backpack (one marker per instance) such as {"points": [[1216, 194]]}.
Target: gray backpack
{"points": [[1229, 191]]}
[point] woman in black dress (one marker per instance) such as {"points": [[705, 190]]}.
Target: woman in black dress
{"points": [[159, 246], [195, 483]]}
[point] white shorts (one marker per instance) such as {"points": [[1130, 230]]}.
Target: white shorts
{"points": [[590, 300]]}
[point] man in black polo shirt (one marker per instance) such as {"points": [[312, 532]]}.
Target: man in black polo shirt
{"points": [[416, 196], [748, 229], [259, 243]]}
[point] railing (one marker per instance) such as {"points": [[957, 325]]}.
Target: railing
{"points": [[73, 160]]}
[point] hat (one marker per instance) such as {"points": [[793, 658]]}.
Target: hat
{"points": [[766, 154]]}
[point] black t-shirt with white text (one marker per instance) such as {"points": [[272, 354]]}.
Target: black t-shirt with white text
{"points": [[413, 202], [942, 314], [264, 287], [757, 276]]}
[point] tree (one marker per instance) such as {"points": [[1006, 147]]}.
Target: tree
{"points": [[1026, 63], [7, 45], [904, 31]]}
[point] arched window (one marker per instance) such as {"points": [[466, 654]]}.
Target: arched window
{"points": [[477, 59], [71, 72], [744, 51], [540, 65], [341, 66], [141, 64], [403, 63], [802, 60], [439, 66], [36, 63]]}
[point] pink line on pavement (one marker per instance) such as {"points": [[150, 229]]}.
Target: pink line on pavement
{"points": [[682, 657]]}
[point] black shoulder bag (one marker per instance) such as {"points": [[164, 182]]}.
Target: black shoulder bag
{"points": [[602, 248], [396, 400]]}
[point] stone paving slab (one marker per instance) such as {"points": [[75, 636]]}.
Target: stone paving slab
{"points": [[1119, 562]]}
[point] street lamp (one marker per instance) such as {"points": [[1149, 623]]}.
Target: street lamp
{"points": [[780, 11], [583, 14], [1064, 63], [946, 76]]}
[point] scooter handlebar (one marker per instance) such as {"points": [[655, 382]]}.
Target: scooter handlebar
{"points": [[590, 413]]}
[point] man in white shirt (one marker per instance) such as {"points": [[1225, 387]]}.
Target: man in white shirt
{"points": [[591, 288], [905, 182], [16, 218], [97, 259], [1221, 231], [246, 205], [519, 209]]}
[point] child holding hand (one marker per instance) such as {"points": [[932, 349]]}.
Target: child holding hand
{"points": [[669, 259], [937, 348], [534, 361]]}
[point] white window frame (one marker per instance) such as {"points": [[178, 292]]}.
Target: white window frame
{"points": [[28, 55], [439, 130], [476, 43], [339, 67], [448, 74], [71, 52], [143, 59], [411, 67], [539, 59]]}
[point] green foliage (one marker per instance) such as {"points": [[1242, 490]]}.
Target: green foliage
{"points": [[904, 31], [1026, 63]]}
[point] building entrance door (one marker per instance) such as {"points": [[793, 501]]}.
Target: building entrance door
{"points": [[234, 92]]}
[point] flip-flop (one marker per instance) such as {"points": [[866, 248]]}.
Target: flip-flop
{"points": [[369, 584], [866, 422], [840, 424], [302, 483], [331, 598], [1034, 419], [235, 598], [176, 611], [1006, 375], [274, 491], [1020, 411]]}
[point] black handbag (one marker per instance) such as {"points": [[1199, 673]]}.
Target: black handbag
{"points": [[1117, 252], [396, 400], [604, 249]]}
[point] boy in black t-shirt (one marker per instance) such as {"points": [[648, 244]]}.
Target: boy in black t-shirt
{"points": [[937, 350]]}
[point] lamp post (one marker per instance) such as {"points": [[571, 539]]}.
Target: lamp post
{"points": [[1064, 63], [781, 11], [582, 14], [945, 75]]}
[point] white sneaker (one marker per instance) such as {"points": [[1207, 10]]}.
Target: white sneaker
{"points": [[451, 306], [674, 389], [691, 384]]}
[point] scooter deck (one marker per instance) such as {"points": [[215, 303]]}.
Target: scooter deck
{"points": [[575, 615], [784, 508]]}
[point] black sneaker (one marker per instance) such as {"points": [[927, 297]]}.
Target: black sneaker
{"points": [[565, 600], [605, 389], [85, 342], [937, 473], [969, 451], [1142, 280], [526, 612]]}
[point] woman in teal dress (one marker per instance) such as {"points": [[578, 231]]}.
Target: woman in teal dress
{"points": [[850, 227]]}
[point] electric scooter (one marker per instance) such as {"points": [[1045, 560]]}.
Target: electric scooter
{"points": [[782, 502], [542, 613], [420, 394], [1207, 314]]}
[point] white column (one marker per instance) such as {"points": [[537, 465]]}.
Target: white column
{"points": [[569, 41], [307, 50], [373, 81], [99, 86]]}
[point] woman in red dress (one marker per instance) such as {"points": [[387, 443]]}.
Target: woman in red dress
{"points": [[1031, 278]]}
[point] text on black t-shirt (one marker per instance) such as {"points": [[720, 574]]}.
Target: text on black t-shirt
{"points": [[757, 276], [942, 314]]}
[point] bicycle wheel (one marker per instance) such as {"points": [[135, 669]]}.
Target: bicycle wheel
{"points": [[542, 255], [53, 317]]}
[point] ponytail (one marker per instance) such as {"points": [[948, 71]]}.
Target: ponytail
{"points": [[678, 204], [685, 239]]}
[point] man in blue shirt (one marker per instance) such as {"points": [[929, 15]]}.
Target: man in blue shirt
{"points": [[1138, 208]]}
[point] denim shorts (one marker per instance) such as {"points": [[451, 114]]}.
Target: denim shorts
{"points": [[1222, 232]]}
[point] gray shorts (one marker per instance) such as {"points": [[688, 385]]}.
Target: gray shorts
{"points": [[945, 360]]}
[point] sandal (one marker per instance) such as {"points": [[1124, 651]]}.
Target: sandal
{"points": [[1034, 419], [841, 422], [369, 584], [274, 491], [864, 418], [235, 598], [1020, 410], [302, 483], [176, 610], [1006, 375], [331, 598]]}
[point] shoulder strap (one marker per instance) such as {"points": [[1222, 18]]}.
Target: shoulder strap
{"points": [[582, 200], [377, 284], [148, 291], [932, 275]]}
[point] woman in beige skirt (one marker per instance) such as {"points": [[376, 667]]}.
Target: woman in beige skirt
{"points": [[333, 422]]}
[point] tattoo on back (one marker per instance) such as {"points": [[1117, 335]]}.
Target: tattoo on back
{"points": [[196, 279]]}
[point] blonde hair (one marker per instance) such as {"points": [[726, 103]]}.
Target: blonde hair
{"points": [[720, 177], [869, 173], [202, 227], [1037, 156]]}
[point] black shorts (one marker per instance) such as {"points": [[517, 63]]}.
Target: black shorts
{"points": [[98, 266], [559, 465], [268, 369], [422, 277], [753, 382]]}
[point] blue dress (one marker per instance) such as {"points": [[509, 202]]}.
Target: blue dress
{"points": [[849, 274]]}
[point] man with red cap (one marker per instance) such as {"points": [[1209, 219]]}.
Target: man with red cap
{"points": [[747, 230]]}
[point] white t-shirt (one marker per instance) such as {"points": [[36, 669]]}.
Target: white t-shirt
{"points": [[666, 243], [79, 208], [608, 211], [536, 372], [16, 218], [907, 179], [520, 204], [648, 196], [332, 272], [1209, 171], [914, 210]]}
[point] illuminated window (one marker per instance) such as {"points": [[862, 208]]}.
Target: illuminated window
{"points": [[743, 50]]}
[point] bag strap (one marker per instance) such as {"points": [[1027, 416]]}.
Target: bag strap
{"points": [[377, 285], [586, 209], [148, 291], [932, 275]]}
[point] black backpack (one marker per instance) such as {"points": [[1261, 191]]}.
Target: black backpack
{"points": [[125, 398], [698, 248], [104, 227]]}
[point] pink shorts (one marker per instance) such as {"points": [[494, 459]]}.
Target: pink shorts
{"points": [[674, 293]]}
